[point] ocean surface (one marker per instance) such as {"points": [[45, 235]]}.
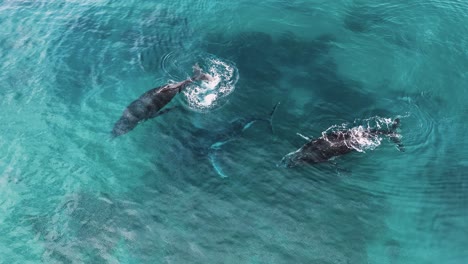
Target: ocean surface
{"points": [[158, 194]]}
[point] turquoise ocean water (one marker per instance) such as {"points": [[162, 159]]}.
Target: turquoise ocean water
{"points": [[70, 194]]}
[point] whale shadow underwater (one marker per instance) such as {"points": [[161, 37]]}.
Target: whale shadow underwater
{"points": [[208, 143], [151, 104], [339, 142]]}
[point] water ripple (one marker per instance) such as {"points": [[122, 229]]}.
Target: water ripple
{"points": [[70, 194]]}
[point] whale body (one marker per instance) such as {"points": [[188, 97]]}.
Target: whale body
{"points": [[338, 143], [151, 103]]}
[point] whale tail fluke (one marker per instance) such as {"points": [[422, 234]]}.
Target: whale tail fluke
{"points": [[268, 119], [199, 75]]}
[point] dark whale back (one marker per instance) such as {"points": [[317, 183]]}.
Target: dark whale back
{"points": [[150, 104], [321, 150], [337, 143], [145, 107]]}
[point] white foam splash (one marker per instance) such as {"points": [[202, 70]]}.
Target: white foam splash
{"points": [[360, 138], [209, 99], [211, 93], [213, 82]]}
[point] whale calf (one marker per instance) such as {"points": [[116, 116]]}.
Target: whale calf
{"points": [[151, 103], [209, 143], [233, 131], [238, 126], [337, 143]]}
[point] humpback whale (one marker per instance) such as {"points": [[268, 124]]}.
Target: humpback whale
{"points": [[238, 126], [151, 103], [337, 143], [231, 133], [208, 143]]}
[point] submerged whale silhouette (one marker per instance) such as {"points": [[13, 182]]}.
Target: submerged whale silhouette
{"points": [[235, 130], [338, 143], [151, 103], [208, 143]]}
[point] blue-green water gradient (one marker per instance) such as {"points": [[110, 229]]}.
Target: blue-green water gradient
{"points": [[70, 194]]}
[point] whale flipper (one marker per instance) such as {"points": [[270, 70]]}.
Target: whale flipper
{"points": [[217, 145], [304, 137], [213, 156]]}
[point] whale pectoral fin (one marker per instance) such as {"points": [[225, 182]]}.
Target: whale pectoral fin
{"points": [[217, 145], [304, 137], [164, 111], [214, 158]]}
